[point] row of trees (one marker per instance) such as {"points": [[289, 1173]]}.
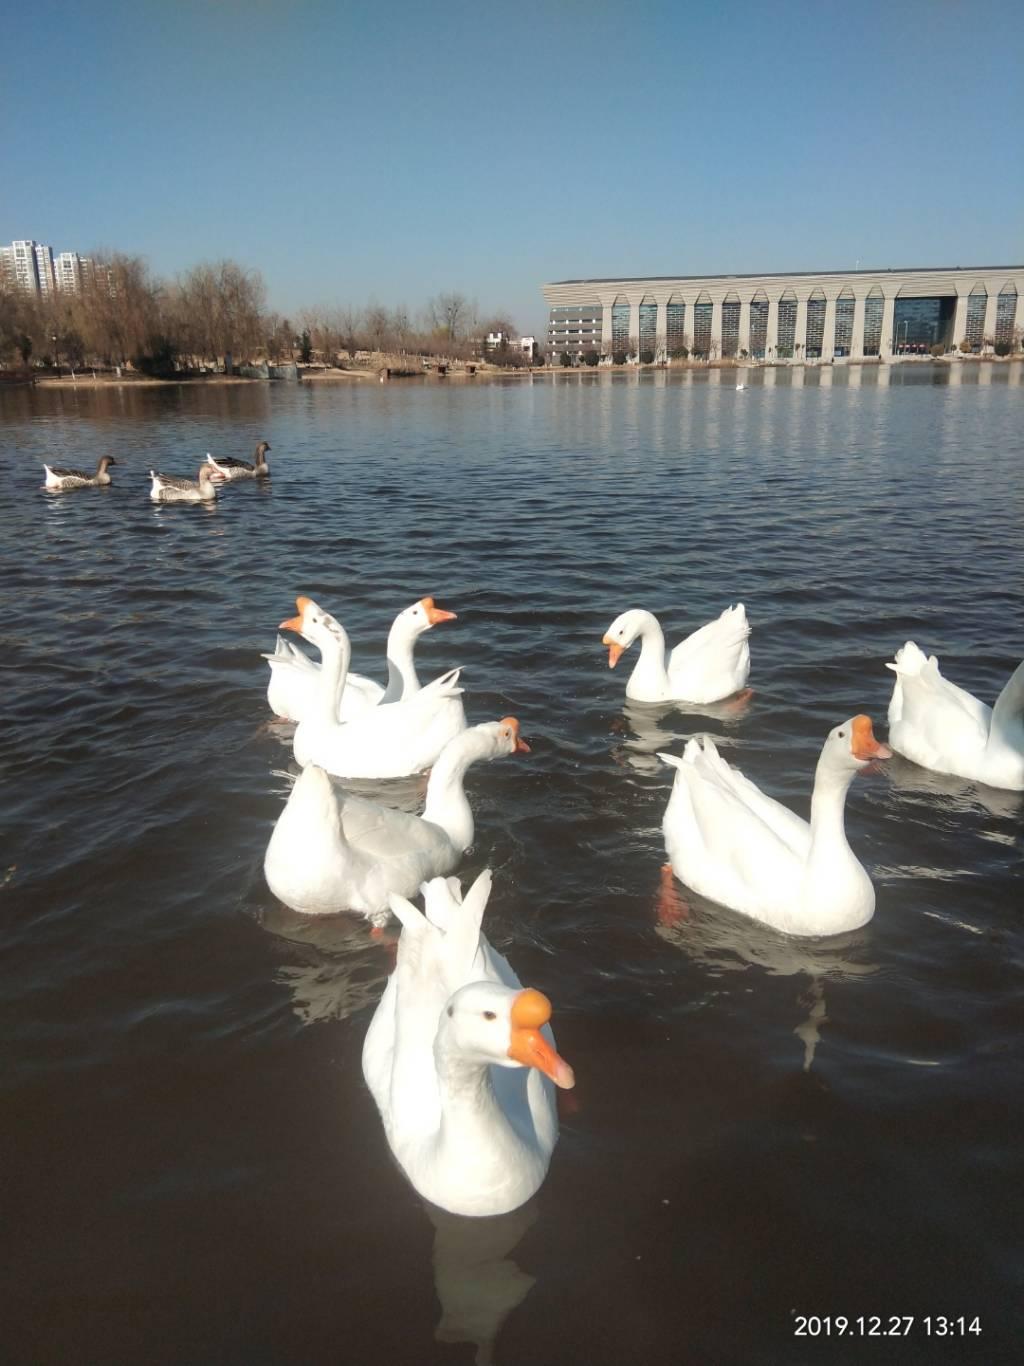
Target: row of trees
{"points": [[124, 315]]}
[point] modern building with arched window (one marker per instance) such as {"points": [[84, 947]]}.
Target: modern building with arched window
{"points": [[832, 315]]}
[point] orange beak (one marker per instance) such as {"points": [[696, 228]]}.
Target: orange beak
{"points": [[614, 652], [436, 614], [521, 746], [530, 1010], [863, 744], [295, 623]]}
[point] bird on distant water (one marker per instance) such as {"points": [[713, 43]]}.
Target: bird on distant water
{"points": [[59, 478], [172, 488], [230, 469]]}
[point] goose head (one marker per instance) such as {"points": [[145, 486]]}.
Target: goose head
{"points": [[312, 623], [851, 746], [208, 475], [501, 737], [500, 1026], [261, 450], [105, 462], [420, 617], [621, 634]]}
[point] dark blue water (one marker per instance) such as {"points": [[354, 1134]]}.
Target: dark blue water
{"points": [[194, 1170]]}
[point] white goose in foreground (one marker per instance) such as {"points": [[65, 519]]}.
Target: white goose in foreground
{"points": [[59, 478], [707, 666], [382, 742], [460, 1060], [942, 727], [231, 469], [294, 676], [731, 843], [332, 852], [172, 488]]}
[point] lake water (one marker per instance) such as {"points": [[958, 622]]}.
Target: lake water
{"points": [[761, 1128]]}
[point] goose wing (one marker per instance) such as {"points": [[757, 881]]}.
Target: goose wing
{"points": [[943, 718], [175, 481], [65, 472]]}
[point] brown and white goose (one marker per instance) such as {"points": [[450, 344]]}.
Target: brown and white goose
{"points": [[60, 478], [230, 469], [172, 488]]}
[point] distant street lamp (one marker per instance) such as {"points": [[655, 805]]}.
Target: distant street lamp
{"points": [[56, 357]]}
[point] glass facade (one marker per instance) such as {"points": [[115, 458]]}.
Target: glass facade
{"points": [[702, 329], [758, 327], [844, 325], [815, 325], [648, 329], [730, 327], [620, 329], [975, 325], [676, 327], [1006, 312], [874, 308], [919, 324], [787, 327]]}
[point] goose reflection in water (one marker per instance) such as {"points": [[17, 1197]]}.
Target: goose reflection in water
{"points": [[649, 722], [953, 793], [477, 1283], [726, 941], [337, 964]]}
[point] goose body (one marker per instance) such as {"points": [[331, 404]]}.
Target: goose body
{"points": [[59, 478], [172, 488], [333, 853], [461, 1061], [294, 677], [711, 664], [231, 469], [730, 842], [395, 741], [949, 730]]}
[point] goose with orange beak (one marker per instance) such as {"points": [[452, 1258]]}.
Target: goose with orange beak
{"points": [[730, 842], [392, 741], [294, 676], [711, 664], [461, 1060]]}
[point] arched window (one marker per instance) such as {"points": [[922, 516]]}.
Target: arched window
{"points": [[874, 307], [758, 324], [620, 326], [845, 306], [702, 311], [974, 327], [1006, 313], [731, 324], [675, 325], [815, 323], [648, 327]]}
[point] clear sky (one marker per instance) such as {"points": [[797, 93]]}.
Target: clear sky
{"points": [[389, 151]]}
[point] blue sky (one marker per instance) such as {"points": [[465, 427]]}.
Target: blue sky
{"points": [[389, 151]]}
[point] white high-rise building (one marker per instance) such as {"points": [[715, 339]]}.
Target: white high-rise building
{"points": [[24, 259], [44, 270], [68, 272]]}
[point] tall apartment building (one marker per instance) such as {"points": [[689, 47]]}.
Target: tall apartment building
{"points": [[45, 278], [23, 266], [68, 271]]}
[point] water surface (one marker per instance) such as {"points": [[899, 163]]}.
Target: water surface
{"points": [[195, 1172]]}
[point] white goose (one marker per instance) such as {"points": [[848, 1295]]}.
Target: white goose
{"points": [[331, 853], [730, 842], [707, 666], [60, 478], [172, 488], [942, 727], [460, 1060], [294, 676], [382, 742]]}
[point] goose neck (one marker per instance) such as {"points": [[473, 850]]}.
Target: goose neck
{"points": [[402, 678], [333, 672], [1007, 726], [447, 804], [828, 805]]}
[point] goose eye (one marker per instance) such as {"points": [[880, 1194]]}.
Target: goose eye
{"points": [[489, 1015], [451, 1011], [842, 734]]}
